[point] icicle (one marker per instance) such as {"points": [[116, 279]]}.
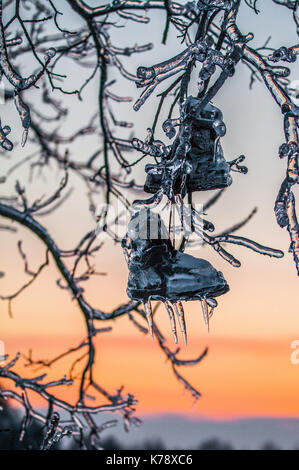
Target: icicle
{"points": [[181, 317], [205, 312], [172, 320], [149, 316], [211, 313]]}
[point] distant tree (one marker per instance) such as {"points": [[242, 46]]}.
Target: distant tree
{"points": [[153, 444], [16, 433], [215, 444], [269, 446], [111, 443]]}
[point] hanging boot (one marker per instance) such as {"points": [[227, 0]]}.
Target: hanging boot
{"points": [[159, 272], [208, 167], [210, 170]]}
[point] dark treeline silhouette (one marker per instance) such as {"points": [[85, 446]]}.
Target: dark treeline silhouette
{"points": [[11, 424], [11, 435]]}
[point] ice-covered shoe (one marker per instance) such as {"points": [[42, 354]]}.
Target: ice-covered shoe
{"points": [[157, 271], [209, 169]]}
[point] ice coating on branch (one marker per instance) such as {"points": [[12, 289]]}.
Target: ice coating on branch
{"points": [[155, 149], [195, 223], [18, 82], [5, 143], [50, 53], [133, 17], [24, 112], [201, 51], [287, 54], [17, 41], [293, 228], [280, 213], [169, 127], [293, 89], [235, 165]]}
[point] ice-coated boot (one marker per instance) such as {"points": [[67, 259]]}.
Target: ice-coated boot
{"points": [[209, 170], [157, 271]]}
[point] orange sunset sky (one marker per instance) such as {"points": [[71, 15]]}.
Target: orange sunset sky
{"points": [[247, 371]]}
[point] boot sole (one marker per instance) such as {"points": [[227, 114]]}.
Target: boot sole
{"points": [[159, 294]]}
